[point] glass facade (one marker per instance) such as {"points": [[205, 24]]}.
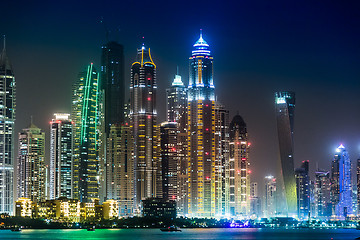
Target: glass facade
{"points": [[285, 106], [7, 120]]}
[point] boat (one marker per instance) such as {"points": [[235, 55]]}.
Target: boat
{"points": [[16, 229], [91, 228], [170, 229]]}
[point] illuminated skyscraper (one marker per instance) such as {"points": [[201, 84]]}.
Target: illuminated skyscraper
{"points": [[85, 114], [341, 190], [239, 168], [143, 121], [285, 106], [177, 112], [120, 168], [201, 132], [322, 194], [270, 197], [61, 156], [222, 165], [169, 160], [7, 120], [31, 164], [303, 190]]}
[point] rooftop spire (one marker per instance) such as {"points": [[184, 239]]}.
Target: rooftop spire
{"points": [[200, 33]]}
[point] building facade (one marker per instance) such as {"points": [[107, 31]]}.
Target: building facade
{"points": [[169, 160], [322, 194], [239, 168], [341, 187], [143, 117], [177, 112], [201, 132], [270, 205], [31, 164], [285, 106], [303, 190], [85, 114], [7, 121], [61, 153], [120, 168], [222, 164]]}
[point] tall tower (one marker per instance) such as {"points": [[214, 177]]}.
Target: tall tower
{"points": [[201, 132], [303, 190], [285, 106], [341, 190], [169, 160], [358, 184], [113, 83], [177, 112], [85, 114], [322, 194], [143, 120], [239, 168], [61, 153], [270, 197], [222, 165], [31, 164], [120, 168], [7, 121]]}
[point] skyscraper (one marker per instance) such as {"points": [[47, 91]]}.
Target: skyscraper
{"points": [[270, 197], [31, 164], [239, 168], [341, 187], [144, 125], [177, 112], [201, 132], [322, 194], [61, 156], [113, 83], [169, 160], [358, 184], [85, 114], [7, 121], [222, 165], [285, 106], [303, 190], [255, 202], [120, 168]]}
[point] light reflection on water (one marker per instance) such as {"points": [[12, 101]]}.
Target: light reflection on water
{"points": [[188, 234]]}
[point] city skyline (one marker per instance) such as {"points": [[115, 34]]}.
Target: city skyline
{"points": [[325, 138]]}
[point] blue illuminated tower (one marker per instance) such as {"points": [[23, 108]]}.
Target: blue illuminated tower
{"points": [[285, 106], [7, 121], [201, 132], [341, 183]]}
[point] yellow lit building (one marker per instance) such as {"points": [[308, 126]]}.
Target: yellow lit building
{"points": [[23, 207]]}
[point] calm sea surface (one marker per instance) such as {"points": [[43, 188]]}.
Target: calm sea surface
{"points": [[188, 234]]}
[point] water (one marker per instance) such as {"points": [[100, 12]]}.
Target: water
{"points": [[186, 234]]}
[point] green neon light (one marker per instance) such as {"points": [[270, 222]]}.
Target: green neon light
{"points": [[84, 113], [97, 112]]}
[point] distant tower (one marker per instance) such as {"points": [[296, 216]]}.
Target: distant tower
{"points": [[270, 197], [239, 168], [285, 106], [169, 160], [7, 120], [255, 203], [61, 154], [222, 165], [303, 190], [177, 112], [85, 114], [341, 190], [113, 83], [120, 168], [31, 164], [322, 194], [201, 132], [143, 120]]}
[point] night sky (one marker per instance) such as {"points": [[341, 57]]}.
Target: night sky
{"points": [[259, 47]]}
